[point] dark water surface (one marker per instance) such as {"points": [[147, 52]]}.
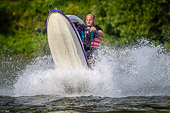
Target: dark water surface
{"points": [[52, 103]]}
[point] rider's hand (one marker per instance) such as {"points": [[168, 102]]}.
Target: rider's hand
{"points": [[93, 29]]}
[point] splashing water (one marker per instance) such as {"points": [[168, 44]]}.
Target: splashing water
{"points": [[138, 71], [42, 78]]}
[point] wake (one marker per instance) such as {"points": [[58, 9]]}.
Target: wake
{"points": [[142, 70]]}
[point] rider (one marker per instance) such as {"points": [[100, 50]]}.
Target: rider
{"points": [[91, 37]]}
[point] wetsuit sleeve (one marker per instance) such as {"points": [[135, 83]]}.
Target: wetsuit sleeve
{"points": [[98, 28]]}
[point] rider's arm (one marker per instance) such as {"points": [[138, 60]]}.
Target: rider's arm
{"points": [[100, 33]]}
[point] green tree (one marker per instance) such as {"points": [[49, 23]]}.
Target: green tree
{"points": [[129, 20]]}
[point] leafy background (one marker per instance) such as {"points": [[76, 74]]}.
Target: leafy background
{"points": [[124, 22]]}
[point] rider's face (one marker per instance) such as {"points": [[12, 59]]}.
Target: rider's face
{"points": [[89, 20]]}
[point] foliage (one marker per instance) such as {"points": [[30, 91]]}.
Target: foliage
{"points": [[23, 22], [129, 20]]}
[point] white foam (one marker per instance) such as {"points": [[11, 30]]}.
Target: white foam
{"points": [[137, 71]]}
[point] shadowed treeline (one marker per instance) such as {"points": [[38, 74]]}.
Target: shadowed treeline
{"points": [[125, 22]]}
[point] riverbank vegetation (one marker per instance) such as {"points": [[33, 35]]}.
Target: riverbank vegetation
{"points": [[124, 22]]}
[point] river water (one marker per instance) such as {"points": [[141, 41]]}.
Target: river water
{"points": [[125, 80]]}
